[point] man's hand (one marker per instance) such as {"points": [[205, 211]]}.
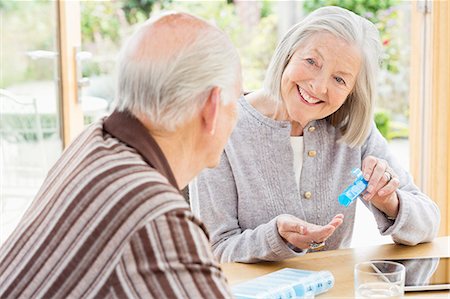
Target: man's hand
{"points": [[301, 233]]}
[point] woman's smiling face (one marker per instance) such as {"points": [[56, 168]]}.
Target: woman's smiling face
{"points": [[319, 76]]}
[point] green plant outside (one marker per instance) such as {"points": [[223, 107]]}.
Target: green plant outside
{"points": [[388, 128], [382, 121]]}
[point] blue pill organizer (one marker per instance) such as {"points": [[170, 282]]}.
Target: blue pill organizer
{"points": [[285, 283], [354, 190]]}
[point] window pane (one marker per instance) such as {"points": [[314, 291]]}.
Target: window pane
{"points": [[29, 122]]}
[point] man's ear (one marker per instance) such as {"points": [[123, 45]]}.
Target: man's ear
{"points": [[210, 110]]}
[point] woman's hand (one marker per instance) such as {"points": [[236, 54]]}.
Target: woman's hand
{"points": [[302, 234], [383, 182]]}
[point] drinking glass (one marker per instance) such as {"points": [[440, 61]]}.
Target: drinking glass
{"points": [[379, 279]]}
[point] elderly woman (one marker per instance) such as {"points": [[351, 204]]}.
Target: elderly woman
{"points": [[274, 194]]}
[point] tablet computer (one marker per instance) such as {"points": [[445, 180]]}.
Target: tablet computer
{"points": [[423, 274]]}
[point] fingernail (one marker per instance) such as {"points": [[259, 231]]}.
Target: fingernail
{"points": [[370, 188], [366, 197], [366, 177]]}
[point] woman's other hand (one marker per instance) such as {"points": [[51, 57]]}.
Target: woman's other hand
{"points": [[383, 182], [302, 234]]}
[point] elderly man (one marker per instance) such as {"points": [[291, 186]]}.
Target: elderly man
{"points": [[109, 220]]}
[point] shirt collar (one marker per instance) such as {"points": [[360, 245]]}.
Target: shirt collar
{"points": [[128, 129]]}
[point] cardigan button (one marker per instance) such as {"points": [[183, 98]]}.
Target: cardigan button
{"points": [[312, 154], [311, 129], [307, 195]]}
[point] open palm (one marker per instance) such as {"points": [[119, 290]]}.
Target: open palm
{"points": [[301, 234]]}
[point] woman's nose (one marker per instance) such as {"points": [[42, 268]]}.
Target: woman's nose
{"points": [[319, 85]]}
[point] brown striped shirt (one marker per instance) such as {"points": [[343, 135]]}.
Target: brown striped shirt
{"points": [[110, 222]]}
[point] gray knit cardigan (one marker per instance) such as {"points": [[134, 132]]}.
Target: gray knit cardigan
{"points": [[240, 200]]}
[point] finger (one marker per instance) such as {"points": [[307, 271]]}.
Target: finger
{"points": [[389, 187], [377, 175], [326, 233], [384, 181], [368, 165], [321, 234], [336, 221], [300, 229]]}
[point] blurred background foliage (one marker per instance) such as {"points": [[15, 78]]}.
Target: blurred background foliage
{"points": [[252, 26], [106, 24], [138, 10], [18, 30]]}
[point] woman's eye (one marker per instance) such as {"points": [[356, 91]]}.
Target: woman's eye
{"points": [[339, 80], [310, 61]]}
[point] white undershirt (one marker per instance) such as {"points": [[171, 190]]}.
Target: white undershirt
{"points": [[297, 148]]}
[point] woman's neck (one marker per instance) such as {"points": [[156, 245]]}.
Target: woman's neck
{"points": [[296, 129]]}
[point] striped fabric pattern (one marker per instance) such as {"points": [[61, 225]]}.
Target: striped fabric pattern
{"points": [[107, 225]]}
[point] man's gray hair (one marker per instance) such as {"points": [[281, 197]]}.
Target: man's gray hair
{"points": [[355, 117], [170, 90]]}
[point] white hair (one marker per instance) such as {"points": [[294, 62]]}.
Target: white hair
{"points": [[354, 118], [170, 90]]}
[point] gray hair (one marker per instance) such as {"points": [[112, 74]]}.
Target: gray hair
{"points": [[171, 90], [354, 118]]}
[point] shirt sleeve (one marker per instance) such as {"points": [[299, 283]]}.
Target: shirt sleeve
{"points": [[214, 199], [170, 258], [418, 217]]}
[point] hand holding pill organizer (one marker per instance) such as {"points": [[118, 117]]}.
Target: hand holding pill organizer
{"points": [[285, 283]]}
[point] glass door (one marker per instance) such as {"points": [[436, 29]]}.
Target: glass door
{"points": [[30, 118]]}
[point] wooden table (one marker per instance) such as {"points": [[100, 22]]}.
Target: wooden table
{"points": [[341, 263]]}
